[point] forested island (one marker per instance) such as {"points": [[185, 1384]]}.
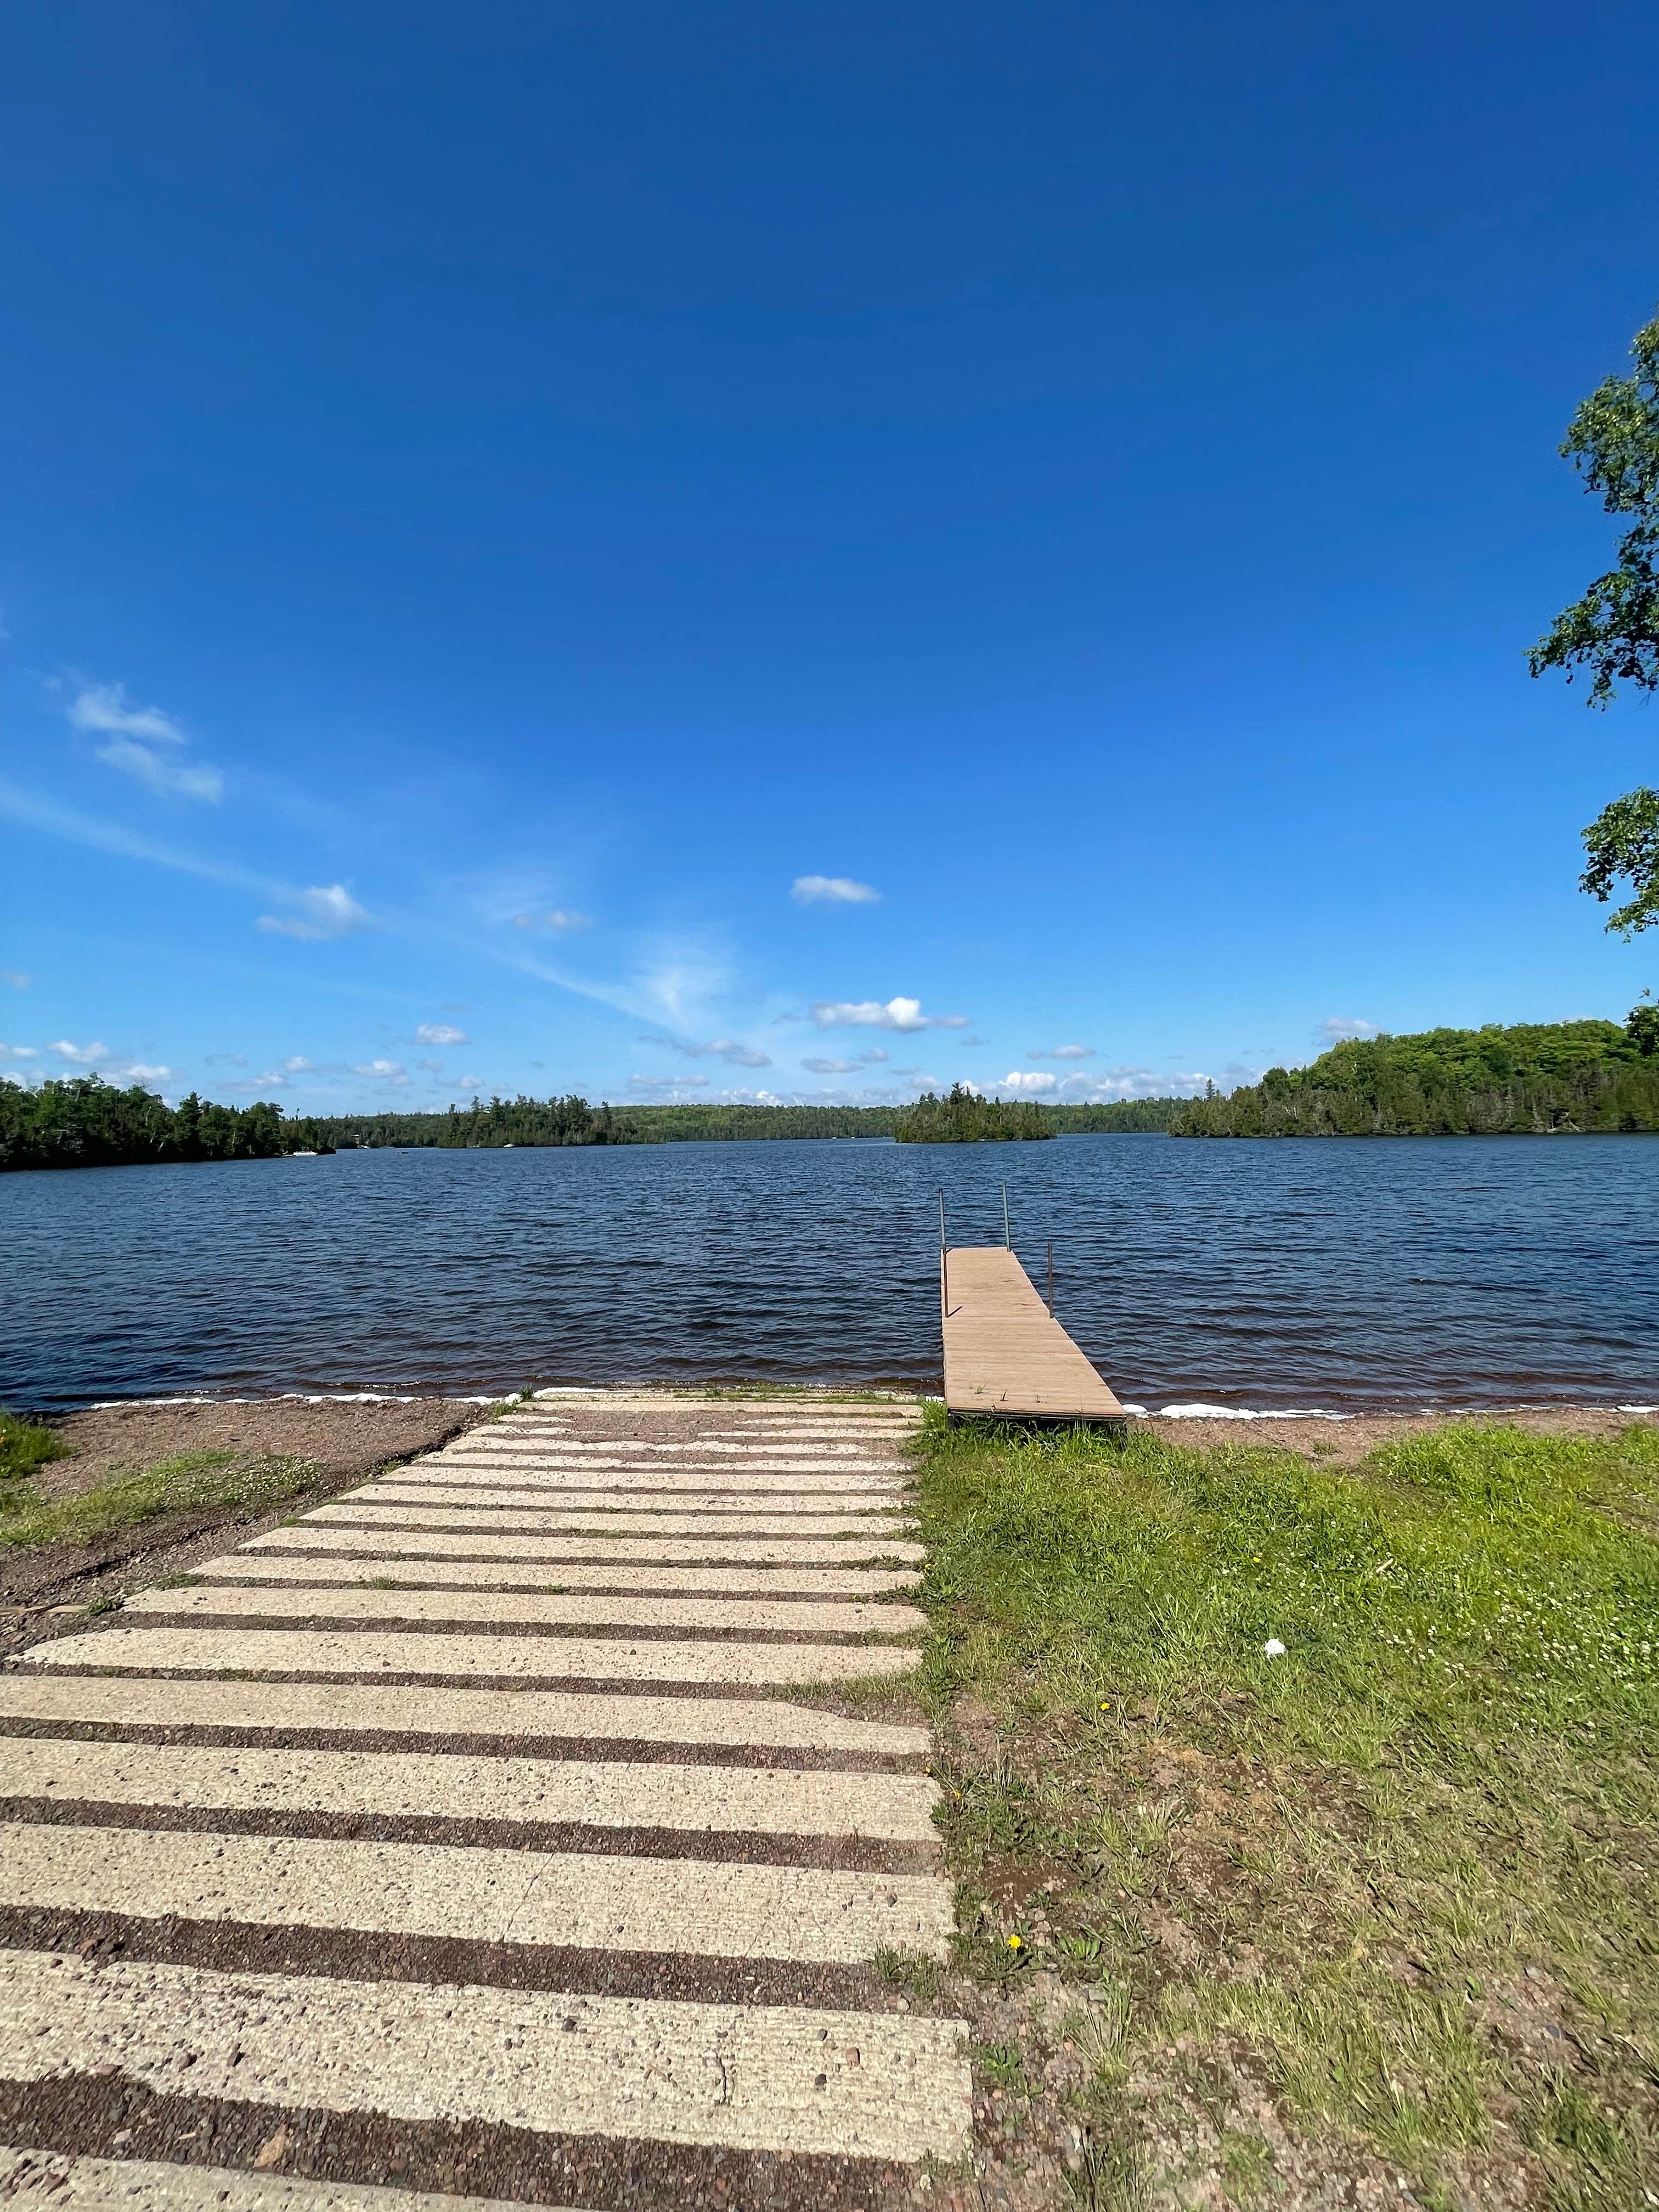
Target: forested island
{"points": [[963, 1117], [1533, 1078], [83, 1121]]}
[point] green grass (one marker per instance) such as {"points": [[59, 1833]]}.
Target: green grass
{"points": [[24, 1447], [191, 1481], [1403, 1875]]}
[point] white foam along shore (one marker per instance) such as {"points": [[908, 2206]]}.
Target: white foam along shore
{"points": [[1194, 1410], [667, 1392], [1199, 1411]]}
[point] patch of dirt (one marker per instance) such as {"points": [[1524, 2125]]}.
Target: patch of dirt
{"points": [[345, 1438], [1345, 1444]]}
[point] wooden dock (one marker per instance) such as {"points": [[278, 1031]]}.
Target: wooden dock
{"points": [[1006, 1357]]}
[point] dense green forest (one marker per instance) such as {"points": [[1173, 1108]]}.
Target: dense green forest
{"points": [[573, 1122], [1119, 1114], [85, 1122], [81, 1122], [965, 1118], [1529, 1079]]}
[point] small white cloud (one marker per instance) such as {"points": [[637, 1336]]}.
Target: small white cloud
{"points": [[833, 890], [388, 1071], [440, 1033], [15, 977], [831, 1067], [296, 1064], [325, 910], [559, 918], [466, 1082], [870, 1014], [141, 1073], [81, 1055], [432, 1066], [1030, 1080], [106, 707], [132, 734], [1065, 1052], [1338, 1031], [155, 771], [18, 1052]]}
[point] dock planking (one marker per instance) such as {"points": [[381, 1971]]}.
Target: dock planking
{"points": [[1006, 1357]]}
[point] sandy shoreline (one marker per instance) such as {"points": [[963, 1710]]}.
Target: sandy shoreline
{"points": [[349, 1436]]}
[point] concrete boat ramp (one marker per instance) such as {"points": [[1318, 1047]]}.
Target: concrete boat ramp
{"points": [[498, 1834]]}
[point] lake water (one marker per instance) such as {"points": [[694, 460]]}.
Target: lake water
{"points": [[1266, 1276]]}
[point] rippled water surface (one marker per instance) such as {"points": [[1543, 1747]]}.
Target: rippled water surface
{"points": [[1266, 1275]]}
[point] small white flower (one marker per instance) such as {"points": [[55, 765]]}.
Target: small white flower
{"points": [[1272, 1649]]}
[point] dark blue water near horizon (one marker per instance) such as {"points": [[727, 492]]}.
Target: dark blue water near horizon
{"points": [[1338, 1275]]}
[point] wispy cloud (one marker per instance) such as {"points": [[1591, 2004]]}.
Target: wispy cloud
{"points": [[965, 1041], [833, 890], [559, 918], [157, 773], [18, 1052], [675, 977], [225, 1059], [77, 829], [440, 1033], [15, 978], [870, 1014], [386, 1071], [1128, 1082], [1338, 1031], [874, 1056], [668, 1083], [730, 1049], [1032, 1080], [1065, 1052], [325, 910], [79, 1055], [132, 735]]}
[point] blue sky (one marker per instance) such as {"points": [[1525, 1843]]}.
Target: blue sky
{"points": [[796, 551]]}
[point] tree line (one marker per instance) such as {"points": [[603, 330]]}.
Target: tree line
{"points": [[82, 1121], [1531, 1079]]}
